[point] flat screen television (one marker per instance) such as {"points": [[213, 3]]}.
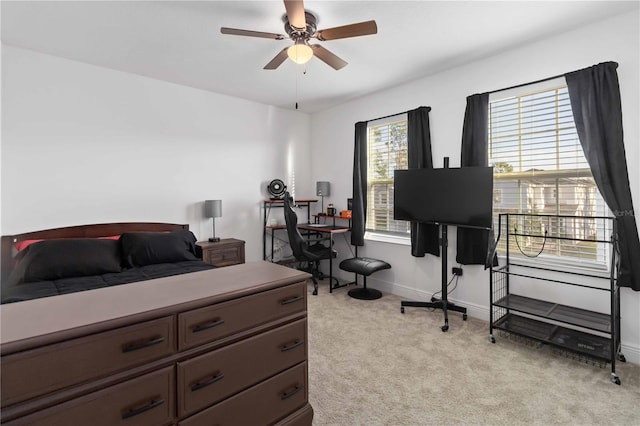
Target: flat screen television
{"points": [[451, 196]]}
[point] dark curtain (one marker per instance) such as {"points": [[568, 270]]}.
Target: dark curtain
{"points": [[595, 100], [424, 237], [359, 207], [473, 244]]}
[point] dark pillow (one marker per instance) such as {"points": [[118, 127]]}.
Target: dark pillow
{"points": [[148, 248], [65, 258]]}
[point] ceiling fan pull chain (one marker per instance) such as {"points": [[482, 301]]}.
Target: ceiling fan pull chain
{"points": [[296, 71]]}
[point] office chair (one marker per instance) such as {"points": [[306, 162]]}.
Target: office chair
{"points": [[312, 255]]}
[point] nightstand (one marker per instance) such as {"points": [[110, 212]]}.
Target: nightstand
{"points": [[225, 252]]}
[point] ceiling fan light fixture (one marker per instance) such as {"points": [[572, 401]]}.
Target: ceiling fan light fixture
{"points": [[300, 26], [300, 52]]}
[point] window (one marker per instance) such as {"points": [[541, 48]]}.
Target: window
{"points": [[387, 151], [540, 168]]}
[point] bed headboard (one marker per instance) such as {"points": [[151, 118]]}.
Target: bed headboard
{"points": [[80, 231]]}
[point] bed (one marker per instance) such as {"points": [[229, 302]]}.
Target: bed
{"points": [[71, 259]]}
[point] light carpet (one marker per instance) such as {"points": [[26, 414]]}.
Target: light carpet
{"points": [[371, 365]]}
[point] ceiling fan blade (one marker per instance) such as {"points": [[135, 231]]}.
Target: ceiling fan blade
{"points": [[278, 60], [249, 33], [345, 31], [327, 57], [295, 13]]}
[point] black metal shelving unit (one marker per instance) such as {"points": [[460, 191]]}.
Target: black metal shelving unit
{"points": [[579, 331]]}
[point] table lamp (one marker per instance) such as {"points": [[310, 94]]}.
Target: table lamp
{"points": [[323, 190], [213, 209]]}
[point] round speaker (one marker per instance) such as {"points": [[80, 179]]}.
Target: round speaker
{"points": [[276, 189]]}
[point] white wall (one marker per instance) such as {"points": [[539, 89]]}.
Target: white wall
{"points": [[615, 39], [83, 144]]}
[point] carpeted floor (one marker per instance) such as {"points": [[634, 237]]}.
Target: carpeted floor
{"points": [[371, 365]]}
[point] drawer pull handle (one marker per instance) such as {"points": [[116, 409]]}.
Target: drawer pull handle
{"points": [[207, 325], [289, 394], [135, 346], [215, 378], [135, 411], [294, 345], [292, 300]]}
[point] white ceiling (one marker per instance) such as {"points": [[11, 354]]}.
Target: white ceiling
{"points": [[180, 41]]}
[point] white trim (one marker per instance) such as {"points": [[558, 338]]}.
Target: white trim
{"points": [[527, 88], [631, 353], [391, 119], [387, 238]]}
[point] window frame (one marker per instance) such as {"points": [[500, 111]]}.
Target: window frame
{"points": [[389, 236], [599, 264]]}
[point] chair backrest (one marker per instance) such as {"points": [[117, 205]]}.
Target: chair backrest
{"points": [[297, 243]]}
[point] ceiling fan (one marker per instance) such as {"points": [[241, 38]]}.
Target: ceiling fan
{"points": [[300, 26]]}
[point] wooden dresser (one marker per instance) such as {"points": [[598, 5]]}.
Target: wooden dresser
{"points": [[220, 347]]}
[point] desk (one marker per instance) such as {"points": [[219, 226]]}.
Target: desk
{"points": [[318, 217], [331, 230], [267, 205]]}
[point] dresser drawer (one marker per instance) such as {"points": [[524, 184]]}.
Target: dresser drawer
{"points": [[146, 400], [223, 319], [225, 257], [39, 371], [209, 378], [226, 252], [263, 404]]}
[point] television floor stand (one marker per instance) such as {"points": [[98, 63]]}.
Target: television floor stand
{"points": [[443, 303]]}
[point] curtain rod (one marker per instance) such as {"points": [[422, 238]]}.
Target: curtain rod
{"points": [[397, 113], [492, 91], [527, 84], [547, 79]]}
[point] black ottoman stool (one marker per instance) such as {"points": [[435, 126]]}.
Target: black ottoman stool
{"points": [[363, 266]]}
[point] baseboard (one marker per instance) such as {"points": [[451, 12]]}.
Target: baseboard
{"points": [[630, 352]]}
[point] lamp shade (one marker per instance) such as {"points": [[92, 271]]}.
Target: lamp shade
{"points": [[323, 188], [213, 208], [300, 52]]}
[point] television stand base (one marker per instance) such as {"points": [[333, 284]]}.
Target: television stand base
{"points": [[442, 303], [437, 304]]}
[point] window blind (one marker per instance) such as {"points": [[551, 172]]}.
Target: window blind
{"points": [[540, 169], [387, 151]]}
